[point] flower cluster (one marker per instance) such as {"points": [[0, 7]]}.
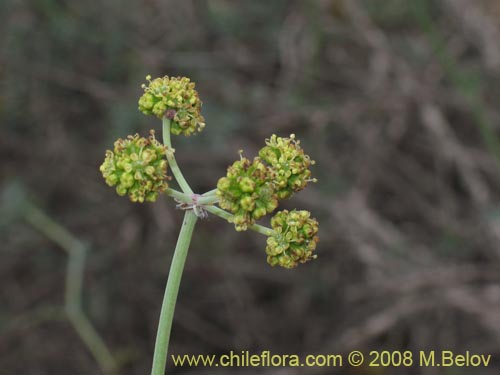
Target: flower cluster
{"points": [[251, 189], [176, 99], [281, 169], [247, 192], [136, 167], [289, 164], [294, 240]]}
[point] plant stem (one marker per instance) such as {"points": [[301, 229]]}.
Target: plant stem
{"points": [[188, 198], [203, 200], [210, 192], [181, 197], [171, 158], [77, 252], [207, 203], [227, 216], [171, 292]]}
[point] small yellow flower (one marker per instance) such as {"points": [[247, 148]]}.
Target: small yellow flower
{"points": [[289, 163], [136, 167], [176, 99], [247, 192], [294, 240]]}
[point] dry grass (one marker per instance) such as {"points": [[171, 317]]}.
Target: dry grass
{"points": [[398, 104]]}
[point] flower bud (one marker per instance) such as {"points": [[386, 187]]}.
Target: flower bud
{"points": [[289, 165], [136, 167], [246, 192], [176, 99], [247, 185], [294, 240]]}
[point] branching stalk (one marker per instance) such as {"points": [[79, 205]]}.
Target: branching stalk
{"points": [[210, 193], [208, 205], [181, 197], [227, 216], [174, 167], [205, 200]]}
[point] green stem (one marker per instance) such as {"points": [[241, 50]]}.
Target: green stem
{"points": [[171, 158], [77, 252], [210, 192], [181, 197], [188, 198], [227, 216], [207, 203], [171, 292], [207, 200]]}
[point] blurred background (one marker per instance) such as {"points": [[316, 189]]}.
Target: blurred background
{"points": [[397, 102]]}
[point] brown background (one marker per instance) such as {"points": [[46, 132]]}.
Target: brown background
{"points": [[397, 101]]}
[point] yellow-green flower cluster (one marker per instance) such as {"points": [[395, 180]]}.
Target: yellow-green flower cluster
{"points": [[295, 239], [176, 99], [281, 169], [289, 164], [246, 191], [136, 167]]}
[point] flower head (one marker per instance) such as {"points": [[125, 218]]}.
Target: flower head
{"points": [[295, 239], [289, 164], [176, 99], [247, 192], [136, 167]]}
